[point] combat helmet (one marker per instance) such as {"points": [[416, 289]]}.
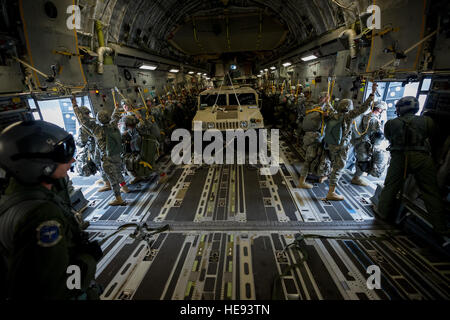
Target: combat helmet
{"points": [[103, 117], [407, 105], [31, 150], [345, 105]]}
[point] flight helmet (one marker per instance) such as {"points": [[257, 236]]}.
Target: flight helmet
{"points": [[31, 150]]}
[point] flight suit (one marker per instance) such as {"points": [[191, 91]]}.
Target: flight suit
{"points": [[410, 153], [41, 239]]}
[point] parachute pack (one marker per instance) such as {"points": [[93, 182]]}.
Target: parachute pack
{"points": [[333, 132], [114, 145], [142, 164]]}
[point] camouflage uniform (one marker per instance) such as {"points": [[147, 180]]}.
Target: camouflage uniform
{"points": [[366, 140], [87, 164], [410, 153], [312, 139], [300, 112], [338, 153], [142, 136], [111, 163], [280, 113]]}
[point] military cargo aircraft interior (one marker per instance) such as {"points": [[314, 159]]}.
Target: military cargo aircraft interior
{"points": [[225, 150]]}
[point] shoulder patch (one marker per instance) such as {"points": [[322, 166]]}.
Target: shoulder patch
{"points": [[49, 233]]}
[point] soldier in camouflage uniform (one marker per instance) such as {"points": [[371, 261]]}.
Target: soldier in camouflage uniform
{"points": [[409, 137], [313, 125], [366, 139], [85, 160], [300, 115], [39, 234], [337, 138], [291, 114], [108, 139], [144, 135], [280, 113], [304, 101]]}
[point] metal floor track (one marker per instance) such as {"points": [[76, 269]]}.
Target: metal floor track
{"points": [[229, 229]]}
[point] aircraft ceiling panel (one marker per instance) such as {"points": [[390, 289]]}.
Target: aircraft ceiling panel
{"points": [[51, 42]]}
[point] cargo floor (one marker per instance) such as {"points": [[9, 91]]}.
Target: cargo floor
{"points": [[237, 234]]}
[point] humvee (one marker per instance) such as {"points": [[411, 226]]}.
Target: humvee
{"points": [[229, 108]]}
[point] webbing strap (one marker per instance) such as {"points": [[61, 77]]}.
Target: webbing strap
{"points": [[356, 128], [139, 229], [146, 164]]}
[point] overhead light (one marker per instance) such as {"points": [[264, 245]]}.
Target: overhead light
{"points": [[233, 67], [286, 64], [272, 68], [191, 72], [199, 73], [308, 58], [204, 74], [266, 70], [259, 76], [148, 67], [174, 70]]}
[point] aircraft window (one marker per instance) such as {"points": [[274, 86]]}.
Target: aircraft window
{"points": [[426, 84], [31, 103], [244, 99], [209, 100], [36, 116], [391, 92], [422, 99]]}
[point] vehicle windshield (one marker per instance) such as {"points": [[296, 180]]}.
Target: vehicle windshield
{"points": [[210, 99], [244, 99]]}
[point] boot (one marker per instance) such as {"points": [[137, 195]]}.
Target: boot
{"points": [[323, 179], [333, 196], [106, 187], [136, 180], [359, 181], [100, 181], [303, 184], [117, 202], [124, 189]]}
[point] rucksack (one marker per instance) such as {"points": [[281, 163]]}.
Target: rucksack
{"points": [[114, 144], [333, 132]]}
